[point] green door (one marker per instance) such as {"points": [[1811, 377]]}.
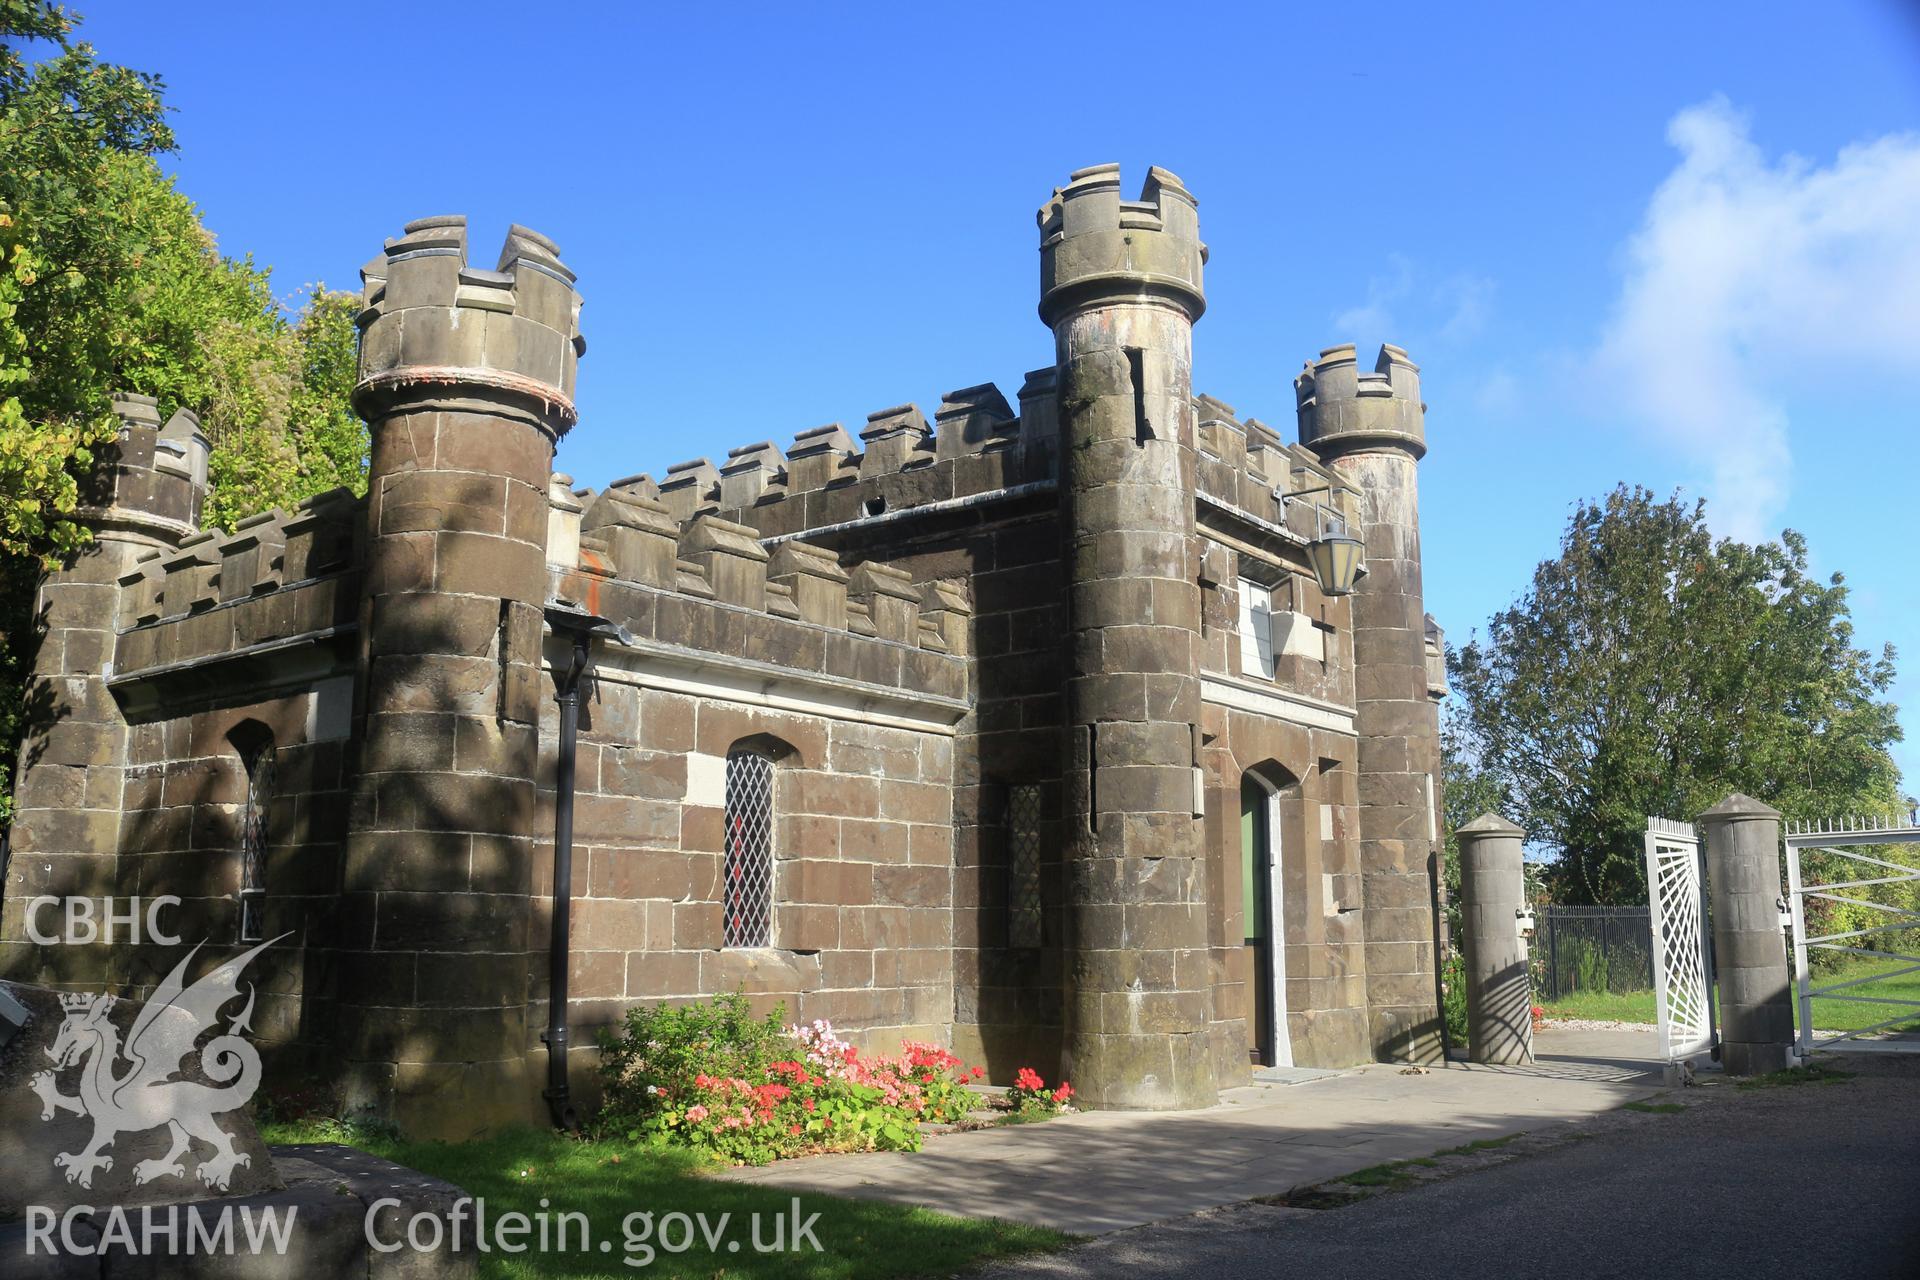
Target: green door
{"points": [[1256, 957]]}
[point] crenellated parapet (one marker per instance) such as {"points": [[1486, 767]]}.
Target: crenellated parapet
{"points": [[276, 576], [1343, 410], [625, 538], [1245, 465], [1094, 245], [435, 328], [975, 444], [150, 478]]}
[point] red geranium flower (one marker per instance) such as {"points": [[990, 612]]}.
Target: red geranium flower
{"points": [[1028, 1078]]}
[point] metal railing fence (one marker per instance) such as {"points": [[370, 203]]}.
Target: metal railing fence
{"points": [[1592, 949]]}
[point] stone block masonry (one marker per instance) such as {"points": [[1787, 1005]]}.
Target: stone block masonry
{"points": [[1120, 286], [466, 380], [1369, 428], [942, 728], [1742, 838], [1492, 901]]}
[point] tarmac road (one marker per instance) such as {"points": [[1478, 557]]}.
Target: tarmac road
{"points": [[1812, 1181]]}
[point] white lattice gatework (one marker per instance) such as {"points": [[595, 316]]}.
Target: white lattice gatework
{"points": [[1680, 976], [1840, 897], [748, 891]]}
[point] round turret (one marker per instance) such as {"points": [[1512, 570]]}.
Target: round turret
{"points": [[1343, 410], [435, 328], [1094, 246]]}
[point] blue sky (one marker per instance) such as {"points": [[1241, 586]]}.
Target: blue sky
{"points": [[1671, 244]]}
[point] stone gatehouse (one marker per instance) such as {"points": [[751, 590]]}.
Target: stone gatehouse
{"points": [[1046, 727]]}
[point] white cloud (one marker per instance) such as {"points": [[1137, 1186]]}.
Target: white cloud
{"points": [[1471, 298], [1752, 280], [1384, 292], [1406, 307]]}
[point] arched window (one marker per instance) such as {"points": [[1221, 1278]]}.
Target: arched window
{"points": [[747, 887], [254, 743]]}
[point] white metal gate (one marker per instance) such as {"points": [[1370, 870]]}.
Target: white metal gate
{"points": [[1682, 984], [1887, 890]]}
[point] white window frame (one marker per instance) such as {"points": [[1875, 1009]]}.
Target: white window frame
{"points": [[1256, 629]]}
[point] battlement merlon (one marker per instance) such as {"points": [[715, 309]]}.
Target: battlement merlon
{"points": [[149, 480], [1343, 410], [1095, 246], [436, 330]]}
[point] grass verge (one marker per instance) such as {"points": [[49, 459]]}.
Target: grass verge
{"points": [[1478, 1145], [534, 1172], [1394, 1173], [1815, 1074], [1830, 1013]]}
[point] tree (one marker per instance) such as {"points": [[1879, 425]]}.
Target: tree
{"points": [[109, 281], [1467, 791], [1651, 669], [73, 131], [281, 417]]}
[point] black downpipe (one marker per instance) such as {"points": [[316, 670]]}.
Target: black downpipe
{"points": [[558, 1092]]}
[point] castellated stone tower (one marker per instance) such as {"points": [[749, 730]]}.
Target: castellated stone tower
{"points": [[1370, 429], [144, 495], [466, 382], [1120, 287]]}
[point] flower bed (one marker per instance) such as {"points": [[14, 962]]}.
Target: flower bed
{"points": [[713, 1077]]}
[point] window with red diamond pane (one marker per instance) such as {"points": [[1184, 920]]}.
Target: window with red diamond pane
{"points": [[748, 886]]}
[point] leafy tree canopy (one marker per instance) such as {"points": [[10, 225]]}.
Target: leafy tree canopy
{"points": [[108, 282], [1651, 669]]}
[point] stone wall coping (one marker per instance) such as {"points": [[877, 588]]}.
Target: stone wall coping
{"points": [[930, 649], [138, 675], [1008, 494], [131, 577], [1262, 698], [705, 673]]}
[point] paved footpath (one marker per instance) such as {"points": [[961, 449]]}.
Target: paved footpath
{"points": [[1108, 1170], [1798, 1183]]}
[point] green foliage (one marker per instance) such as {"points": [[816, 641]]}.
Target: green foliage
{"points": [[1813, 1074], [1467, 791], [712, 1077], [1390, 1176], [662, 1047], [73, 131], [281, 417], [1480, 1144], [1651, 669], [109, 282], [622, 1192], [1453, 997], [1588, 966]]}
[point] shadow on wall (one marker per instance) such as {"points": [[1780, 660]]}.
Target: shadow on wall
{"points": [[37, 713], [1504, 1030]]}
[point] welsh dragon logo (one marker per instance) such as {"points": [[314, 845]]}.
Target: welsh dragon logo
{"points": [[147, 1094]]}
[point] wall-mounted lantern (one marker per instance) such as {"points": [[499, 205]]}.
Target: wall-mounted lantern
{"points": [[1334, 553], [1335, 556]]}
